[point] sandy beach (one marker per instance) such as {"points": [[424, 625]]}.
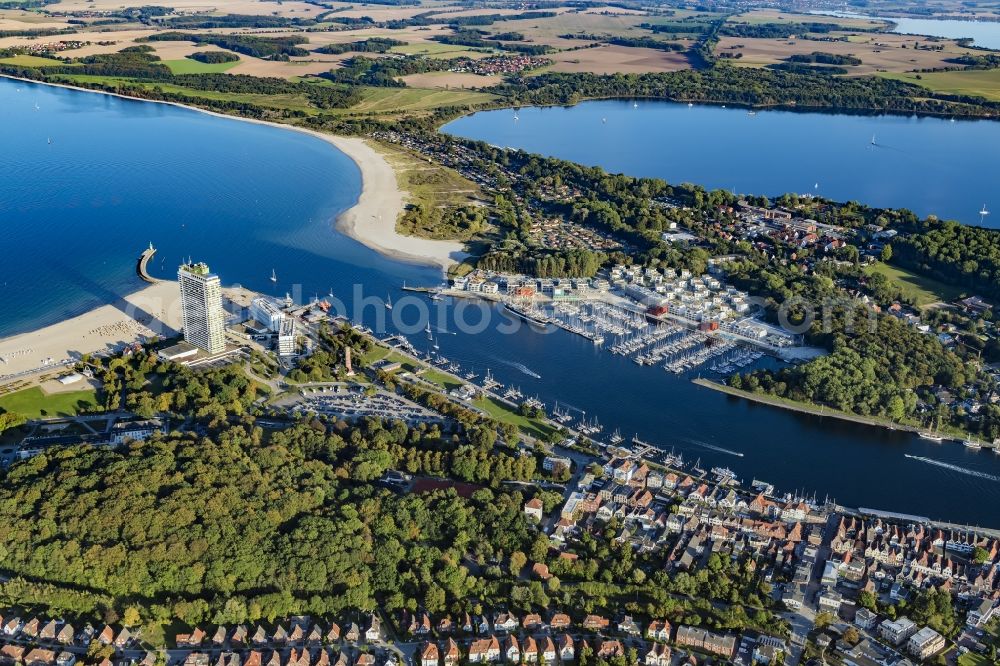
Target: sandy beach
{"points": [[152, 311], [155, 310], [372, 220]]}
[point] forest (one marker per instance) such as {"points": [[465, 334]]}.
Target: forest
{"points": [[746, 86], [954, 253]]}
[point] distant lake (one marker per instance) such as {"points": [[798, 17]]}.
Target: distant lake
{"points": [[929, 165], [985, 34]]}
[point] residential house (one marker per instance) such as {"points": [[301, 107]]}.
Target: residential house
{"points": [[610, 649], [31, 628], [124, 638], [315, 635], [658, 655], [595, 623], [40, 657], [65, 658], [706, 641], [560, 621], [192, 640], [11, 654], [532, 622], [365, 659], [548, 650], [48, 631], [533, 508], [107, 635], [529, 651], [567, 650], [430, 655], [768, 650], [484, 650], [896, 631], [66, 634], [333, 635], [511, 649], [259, 636], [981, 612], [505, 622], [240, 635], [658, 630], [865, 619], [353, 633], [452, 655], [12, 627], [629, 626], [280, 635], [220, 635], [373, 633], [925, 643]]}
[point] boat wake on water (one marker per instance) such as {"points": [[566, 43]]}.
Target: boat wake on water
{"points": [[521, 367], [954, 468], [713, 447]]}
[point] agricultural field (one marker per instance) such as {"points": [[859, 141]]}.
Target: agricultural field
{"points": [[759, 16], [189, 66], [617, 59], [878, 52], [451, 80], [980, 82], [443, 51]]}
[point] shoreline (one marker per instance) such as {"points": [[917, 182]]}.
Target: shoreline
{"points": [[811, 410], [372, 219], [153, 311]]}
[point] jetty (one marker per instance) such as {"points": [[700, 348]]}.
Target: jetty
{"points": [[140, 267]]}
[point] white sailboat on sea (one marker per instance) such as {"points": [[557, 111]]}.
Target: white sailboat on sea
{"points": [[388, 302], [274, 276], [982, 214]]}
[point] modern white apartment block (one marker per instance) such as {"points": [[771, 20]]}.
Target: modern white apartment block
{"points": [[201, 307]]}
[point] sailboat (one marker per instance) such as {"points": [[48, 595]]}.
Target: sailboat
{"points": [[616, 437], [983, 213], [931, 435], [427, 330], [436, 346], [972, 444], [274, 276], [873, 140], [388, 302]]}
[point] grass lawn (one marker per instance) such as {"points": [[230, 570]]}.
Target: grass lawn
{"points": [[430, 186], [293, 102], [921, 290], [505, 414], [34, 403], [981, 82], [441, 379], [30, 61], [190, 66], [392, 100], [973, 659]]}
